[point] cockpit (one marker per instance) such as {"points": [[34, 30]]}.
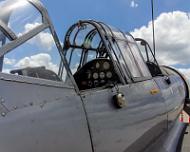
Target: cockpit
{"points": [[99, 55], [88, 58]]}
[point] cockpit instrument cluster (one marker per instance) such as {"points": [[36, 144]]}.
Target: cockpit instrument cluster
{"points": [[96, 73]]}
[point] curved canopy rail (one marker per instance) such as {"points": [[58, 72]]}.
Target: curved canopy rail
{"points": [[23, 20], [149, 57], [93, 40]]}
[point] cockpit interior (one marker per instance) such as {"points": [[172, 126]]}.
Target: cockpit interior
{"points": [[100, 55], [88, 57]]}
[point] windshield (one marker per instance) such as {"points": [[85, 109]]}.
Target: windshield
{"points": [[29, 45], [20, 16]]}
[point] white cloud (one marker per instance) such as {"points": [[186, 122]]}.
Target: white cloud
{"points": [[172, 32], [74, 68], [43, 40], [6, 70], [186, 72], [8, 61], [37, 60], [133, 4], [28, 27]]}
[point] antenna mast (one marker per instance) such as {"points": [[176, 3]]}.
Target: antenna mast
{"points": [[153, 29]]}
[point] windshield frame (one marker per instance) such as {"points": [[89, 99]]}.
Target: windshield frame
{"points": [[17, 41]]}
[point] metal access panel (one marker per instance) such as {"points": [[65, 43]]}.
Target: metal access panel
{"points": [[41, 117]]}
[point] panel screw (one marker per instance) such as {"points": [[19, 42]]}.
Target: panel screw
{"points": [[2, 100], [3, 114]]}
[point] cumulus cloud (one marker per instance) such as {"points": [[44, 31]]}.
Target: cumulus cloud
{"points": [[6, 70], [186, 72], [42, 59], [8, 61], [43, 40], [133, 4], [28, 27], [172, 32]]}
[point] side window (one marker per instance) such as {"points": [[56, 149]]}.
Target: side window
{"points": [[91, 55], [129, 58], [74, 57], [118, 57], [78, 57], [38, 58], [139, 59], [146, 51]]}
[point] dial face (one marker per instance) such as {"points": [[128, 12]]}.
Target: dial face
{"points": [[109, 74], [97, 65], [106, 65], [102, 75], [95, 75]]}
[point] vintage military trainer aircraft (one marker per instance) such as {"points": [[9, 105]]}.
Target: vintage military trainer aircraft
{"points": [[97, 93]]}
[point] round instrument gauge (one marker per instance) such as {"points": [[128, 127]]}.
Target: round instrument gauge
{"points": [[102, 75], [106, 65], [109, 74], [95, 75], [97, 65]]}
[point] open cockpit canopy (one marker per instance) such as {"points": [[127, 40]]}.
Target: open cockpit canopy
{"points": [[88, 41]]}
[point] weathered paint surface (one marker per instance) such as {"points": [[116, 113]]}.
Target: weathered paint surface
{"points": [[42, 118]]}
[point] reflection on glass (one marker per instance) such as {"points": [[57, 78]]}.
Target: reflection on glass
{"points": [[139, 60], [38, 57], [131, 63], [20, 16]]}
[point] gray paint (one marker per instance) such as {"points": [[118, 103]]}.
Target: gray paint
{"points": [[42, 118], [41, 115], [118, 129]]}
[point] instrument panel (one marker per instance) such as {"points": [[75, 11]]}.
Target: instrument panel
{"points": [[96, 73]]}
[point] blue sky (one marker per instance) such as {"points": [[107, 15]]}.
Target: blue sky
{"points": [[172, 23], [118, 13], [133, 14]]}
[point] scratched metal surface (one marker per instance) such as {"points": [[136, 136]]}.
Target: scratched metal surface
{"points": [[39, 118]]}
